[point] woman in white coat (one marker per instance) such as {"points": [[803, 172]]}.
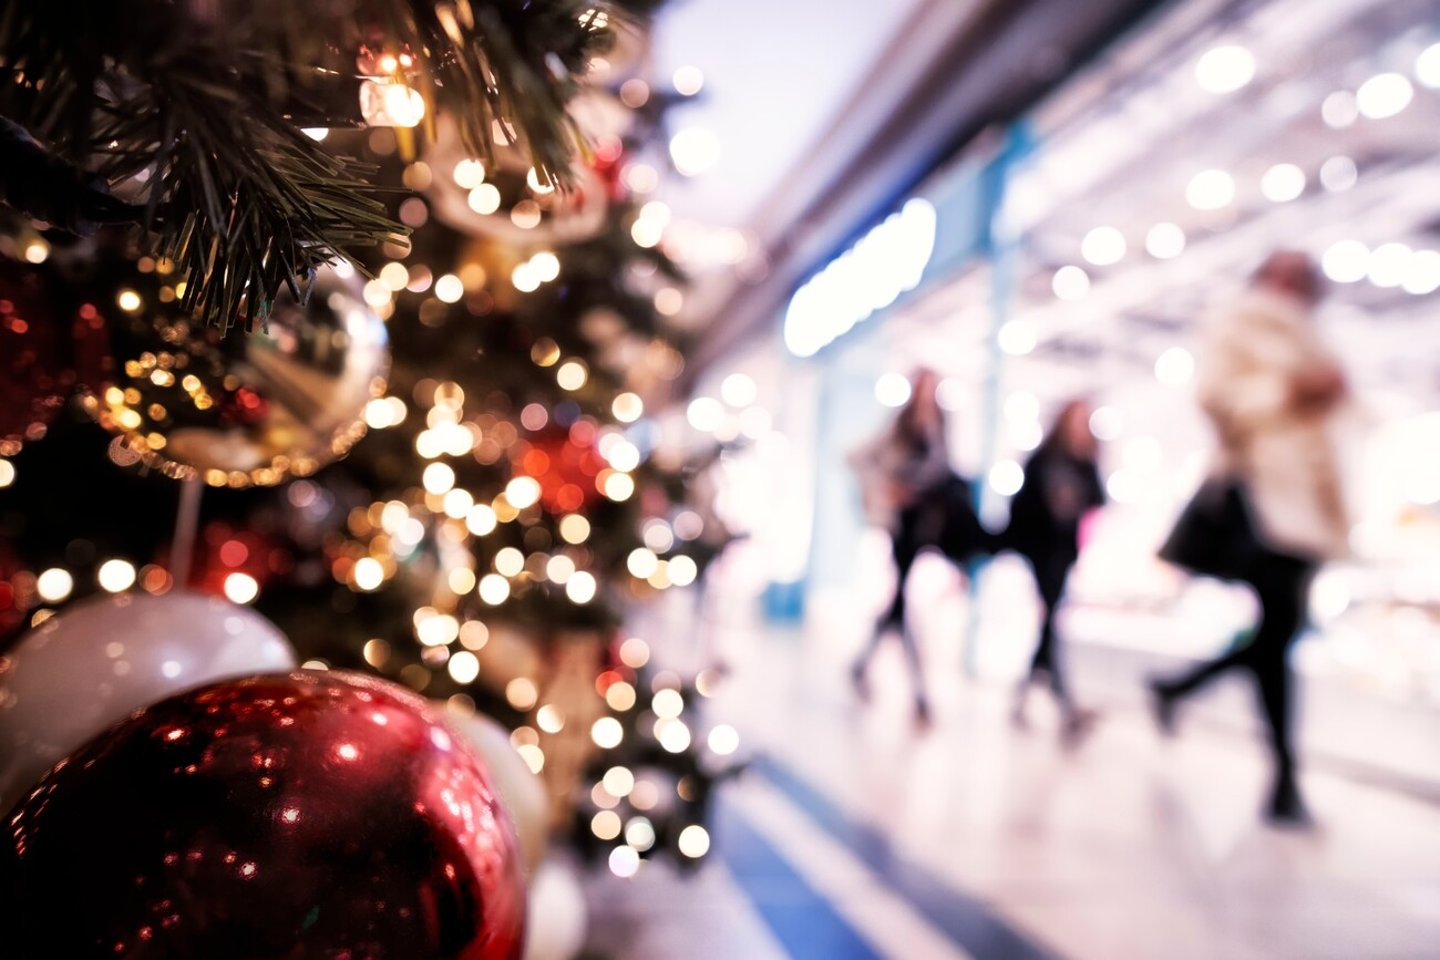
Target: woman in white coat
{"points": [[1272, 391]]}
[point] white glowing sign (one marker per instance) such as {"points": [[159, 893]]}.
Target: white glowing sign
{"points": [[883, 264]]}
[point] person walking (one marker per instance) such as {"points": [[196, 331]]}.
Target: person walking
{"points": [[1273, 509], [903, 474], [1062, 484]]}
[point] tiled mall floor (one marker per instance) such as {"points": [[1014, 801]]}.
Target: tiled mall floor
{"points": [[852, 835]]}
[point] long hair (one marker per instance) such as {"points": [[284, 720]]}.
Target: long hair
{"points": [[1054, 439]]}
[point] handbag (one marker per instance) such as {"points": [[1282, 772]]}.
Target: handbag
{"points": [[1214, 535]]}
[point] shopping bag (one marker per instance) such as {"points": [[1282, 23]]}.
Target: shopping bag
{"points": [[1214, 535]]}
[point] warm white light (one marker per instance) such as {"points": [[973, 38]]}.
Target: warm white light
{"points": [[738, 390], [318, 134], [1346, 262], [1165, 241], [580, 588], [550, 718], [54, 585], [683, 570], [1016, 337], [368, 573], [468, 174], [1384, 95], [7, 473], [642, 562], [619, 486], [128, 300], [522, 491], [521, 693], [667, 704], [1070, 283], [627, 407], [494, 589], [1339, 110], [464, 667], [723, 740], [705, 414], [457, 503], [1338, 174], [1210, 190], [509, 561], [438, 478], [1106, 423], [694, 151], [1389, 263], [449, 288], [1103, 246], [435, 629], [546, 265], [571, 375], [394, 275], [116, 575], [559, 569], [892, 389], [1427, 67], [390, 104], [574, 528], [618, 781], [1282, 183], [1175, 367], [605, 825], [688, 81], [647, 233], [694, 841], [607, 733], [1006, 477], [640, 833], [1422, 276], [524, 278], [481, 519], [674, 736], [634, 653], [484, 199], [624, 862], [1225, 69], [241, 588]]}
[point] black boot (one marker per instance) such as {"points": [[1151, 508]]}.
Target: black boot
{"points": [[1286, 808], [1162, 705]]}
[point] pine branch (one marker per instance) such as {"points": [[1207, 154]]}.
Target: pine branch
{"points": [[193, 106]]}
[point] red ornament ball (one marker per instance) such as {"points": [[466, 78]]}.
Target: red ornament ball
{"points": [[304, 815]]}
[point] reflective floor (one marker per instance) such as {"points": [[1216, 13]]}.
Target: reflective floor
{"points": [[853, 835]]}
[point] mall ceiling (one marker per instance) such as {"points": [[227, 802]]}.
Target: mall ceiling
{"points": [[879, 95], [1122, 149]]}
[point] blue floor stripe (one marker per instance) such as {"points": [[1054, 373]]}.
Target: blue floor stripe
{"points": [[807, 925], [967, 921]]}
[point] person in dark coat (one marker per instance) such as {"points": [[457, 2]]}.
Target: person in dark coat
{"points": [[1061, 485]]}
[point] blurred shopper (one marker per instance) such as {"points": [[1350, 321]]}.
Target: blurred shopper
{"points": [[909, 489], [1061, 485], [1273, 509]]}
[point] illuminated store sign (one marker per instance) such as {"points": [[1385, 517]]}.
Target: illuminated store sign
{"points": [[886, 262]]}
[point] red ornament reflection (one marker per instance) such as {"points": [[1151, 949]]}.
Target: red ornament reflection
{"points": [[304, 815]]}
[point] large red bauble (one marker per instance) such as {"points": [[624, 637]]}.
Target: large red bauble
{"points": [[303, 815]]}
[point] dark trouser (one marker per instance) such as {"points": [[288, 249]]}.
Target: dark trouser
{"points": [[1050, 573], [1282, 584], [908, 540]]}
